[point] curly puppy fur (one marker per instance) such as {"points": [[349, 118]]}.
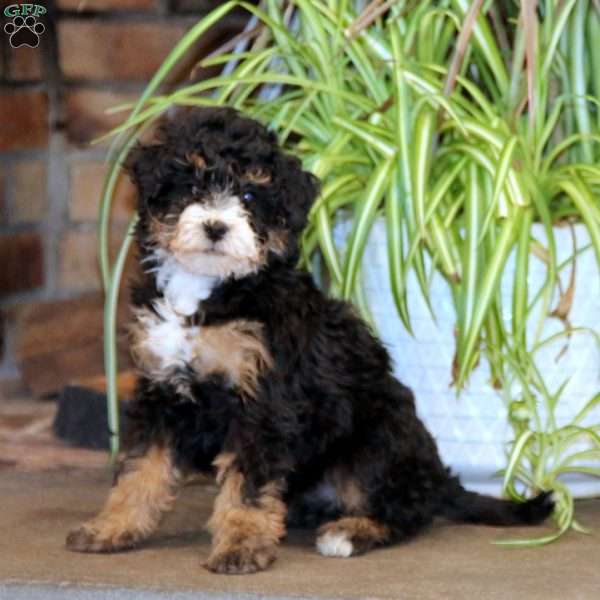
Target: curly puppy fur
{"points": [[247, 369]]}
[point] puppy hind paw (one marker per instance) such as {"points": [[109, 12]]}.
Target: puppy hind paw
{"points": [[335, 543], [350, 536], [87, 539], [241, 560]]}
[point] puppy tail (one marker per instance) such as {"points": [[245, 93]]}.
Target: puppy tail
{"points": [[470, 507]]}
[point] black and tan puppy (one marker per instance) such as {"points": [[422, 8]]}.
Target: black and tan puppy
{"points": [[248, 369]]}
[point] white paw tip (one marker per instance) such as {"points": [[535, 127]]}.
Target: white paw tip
{"points": [[334, 544]]}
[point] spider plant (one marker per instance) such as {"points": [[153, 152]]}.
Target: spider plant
{"points": [[461, 124]]}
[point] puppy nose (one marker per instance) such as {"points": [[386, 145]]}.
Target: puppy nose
{"points": [[215, 230]]}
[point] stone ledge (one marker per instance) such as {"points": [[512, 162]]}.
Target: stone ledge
{"points": [[454, 562], [37, 591]]}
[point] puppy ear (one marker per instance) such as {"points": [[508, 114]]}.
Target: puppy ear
{"points": [[147, 166], [305, 188]]}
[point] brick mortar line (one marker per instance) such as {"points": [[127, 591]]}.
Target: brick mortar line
{"points": [[57, 173], [86, 154], [117, 227], [74, 154], [8, 365], [140, 18], [19, 85], [25, 297], [25, 227], [17, 156], [57, 220], [4, 57], [104, 85], [163, 7]]}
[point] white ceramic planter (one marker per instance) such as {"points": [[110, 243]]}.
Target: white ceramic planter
{"points": [[472, 430]]}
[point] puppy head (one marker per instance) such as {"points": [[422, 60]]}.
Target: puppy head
{"points": [[216, 193]]}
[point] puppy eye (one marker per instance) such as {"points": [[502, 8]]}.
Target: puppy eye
{"points": [[248, 197]]}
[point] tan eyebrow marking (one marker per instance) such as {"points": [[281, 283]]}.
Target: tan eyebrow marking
{"points": [[196, 159], [258, 175]]}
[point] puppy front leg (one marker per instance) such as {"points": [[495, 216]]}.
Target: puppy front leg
{"points": [[245, 530], [143, 492]]}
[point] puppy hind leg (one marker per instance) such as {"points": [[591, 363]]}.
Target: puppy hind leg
{"points": [[355, 532], [144, 491]]}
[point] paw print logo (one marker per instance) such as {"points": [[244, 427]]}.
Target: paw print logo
{"points": [[24, 31]]}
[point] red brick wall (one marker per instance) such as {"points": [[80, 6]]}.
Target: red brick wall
{"points": [[93, 54]]}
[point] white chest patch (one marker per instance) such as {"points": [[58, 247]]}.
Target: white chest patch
{"points": [[164, 342], [183, 290]]}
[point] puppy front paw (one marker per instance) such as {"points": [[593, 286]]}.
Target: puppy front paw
{"points": [[88, 538], [241, 559]]}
